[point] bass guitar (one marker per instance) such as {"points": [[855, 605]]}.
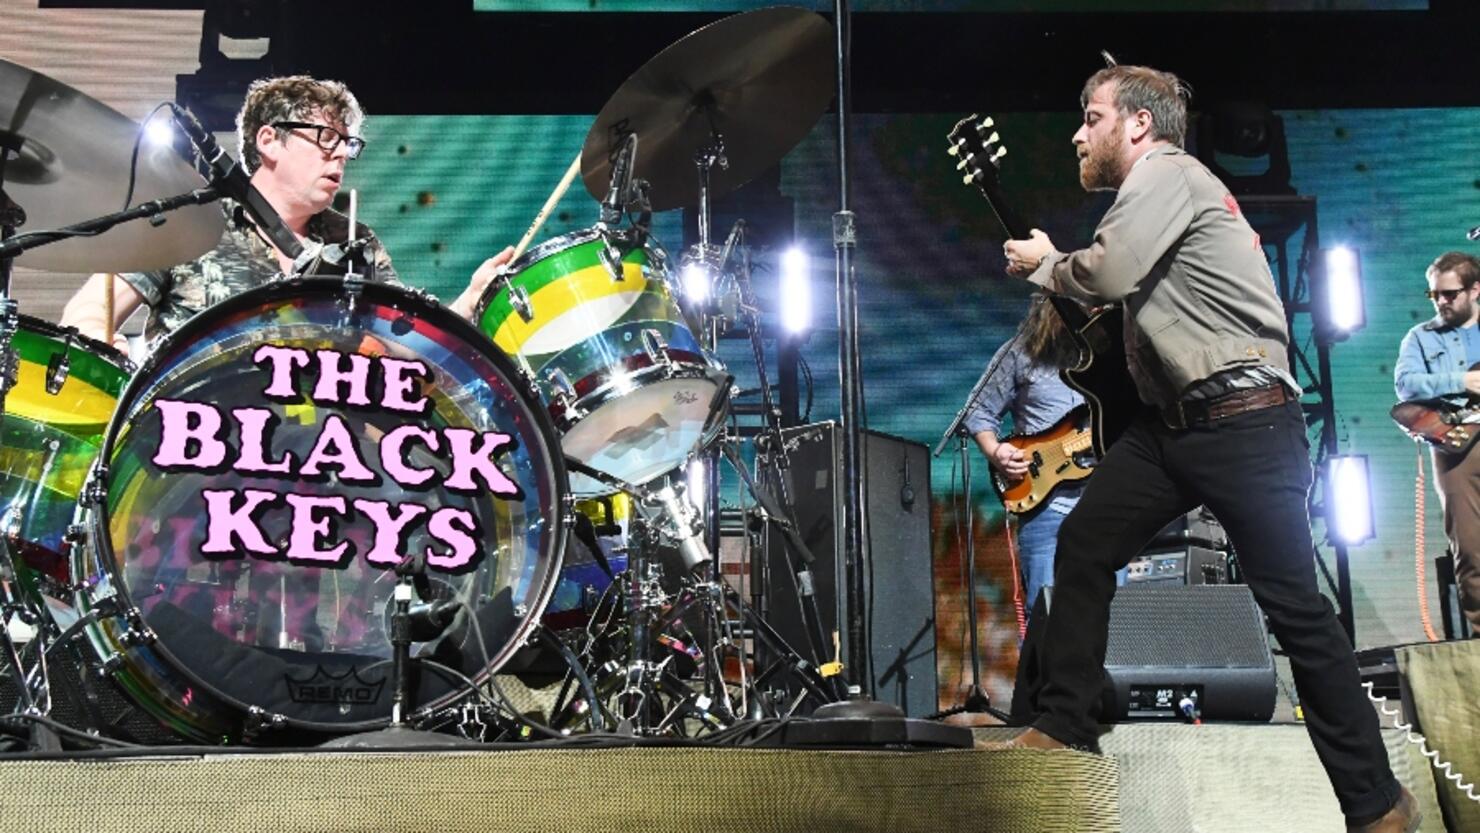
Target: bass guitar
{"points": [[1450, 429], [1100, 375], [1062, 454]]}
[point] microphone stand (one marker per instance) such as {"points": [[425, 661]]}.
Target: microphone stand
{"points": [[859, 719], [977, 701]]}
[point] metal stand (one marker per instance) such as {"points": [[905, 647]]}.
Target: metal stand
{"points": [[399, 734]]}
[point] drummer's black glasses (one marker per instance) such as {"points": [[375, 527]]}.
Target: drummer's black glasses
{"points": [[326, 137]]}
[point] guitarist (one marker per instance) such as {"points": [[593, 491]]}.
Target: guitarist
{"points": [[1434, 362], [1206, 344], [1025, 383]]}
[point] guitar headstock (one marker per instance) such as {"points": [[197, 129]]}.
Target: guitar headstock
{"points": [[978, 148]]}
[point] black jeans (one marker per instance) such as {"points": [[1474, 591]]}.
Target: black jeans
{"points": [[1253, 472]]}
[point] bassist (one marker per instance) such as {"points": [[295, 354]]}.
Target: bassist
{"points": [[1025, 383], [1435, 363]]}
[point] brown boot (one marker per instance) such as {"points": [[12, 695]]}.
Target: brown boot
{"points": [[1403, 818]]}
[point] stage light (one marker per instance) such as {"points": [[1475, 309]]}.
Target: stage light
{"points": [[1349, 499], [796, 292], [159, 131], [1336, 293], [695, 282]]}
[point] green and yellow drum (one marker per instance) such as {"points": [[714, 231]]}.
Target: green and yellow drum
{"points": [[66, 388], [617, 363]]}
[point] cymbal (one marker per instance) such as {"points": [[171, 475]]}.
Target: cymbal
{"points": [[762, 79], [73, 165]]}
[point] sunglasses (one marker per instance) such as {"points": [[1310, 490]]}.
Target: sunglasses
{"points": [[1446, 294]]}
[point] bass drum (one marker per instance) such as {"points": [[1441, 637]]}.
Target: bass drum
{"points": [[273, 466]]}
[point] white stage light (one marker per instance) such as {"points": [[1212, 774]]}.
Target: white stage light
{"points": [[159, 131], [1344, 310], [1349, 499], [796, 292], [695, 282]]}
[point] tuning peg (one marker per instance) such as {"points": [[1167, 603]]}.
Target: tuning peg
{"points": [[961, 166], [966, 180], [986, 124], [1000, 152], [953, 150], [994, 139]]}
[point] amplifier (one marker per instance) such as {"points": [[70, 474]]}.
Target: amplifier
{"points": [[1204, 647], [1193, 549], [901, 581]]}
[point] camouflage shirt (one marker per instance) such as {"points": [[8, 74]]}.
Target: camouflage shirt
{"points": [[242, 261]]}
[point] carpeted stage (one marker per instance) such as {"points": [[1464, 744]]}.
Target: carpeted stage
{"points": [[1153, 779]]}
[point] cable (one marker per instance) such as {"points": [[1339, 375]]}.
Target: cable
{"points": [[64, 729], [1418, 553], [1423, 744], [1019, 607], [807, 374]]}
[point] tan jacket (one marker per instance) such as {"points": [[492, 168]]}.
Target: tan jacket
{"points": [[1176, 251]]}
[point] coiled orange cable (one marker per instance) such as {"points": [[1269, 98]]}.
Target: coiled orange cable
{"points": [[1418, 553]]}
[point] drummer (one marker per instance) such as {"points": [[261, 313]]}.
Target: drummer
{"points": [[296, 135]]}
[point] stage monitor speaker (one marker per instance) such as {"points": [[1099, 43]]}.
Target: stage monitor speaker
{"points": [[902, 581], [1170, 646]]}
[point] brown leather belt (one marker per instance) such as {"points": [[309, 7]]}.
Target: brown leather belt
{"points": [[1198, 411]]}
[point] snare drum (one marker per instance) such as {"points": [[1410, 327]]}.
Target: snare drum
{"points": [[617, 364], [269, 469], [65, 389]]}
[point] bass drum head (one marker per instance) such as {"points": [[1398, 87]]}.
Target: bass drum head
{"points": [[268, 471]]}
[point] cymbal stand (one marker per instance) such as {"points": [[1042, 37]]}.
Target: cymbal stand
{"points": [[34, 687]]}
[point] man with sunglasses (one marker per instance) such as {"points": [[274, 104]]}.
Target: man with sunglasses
{"points": [[296, 135], [1434, 362]]}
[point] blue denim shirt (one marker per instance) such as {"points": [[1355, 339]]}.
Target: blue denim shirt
{"points": [[1033, 393], [1432, 361]]}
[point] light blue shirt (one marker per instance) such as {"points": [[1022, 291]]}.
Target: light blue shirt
{"points": [[1032, 392], [1433, 359]]}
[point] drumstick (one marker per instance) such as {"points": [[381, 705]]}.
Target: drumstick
{"points": [[540, 218], [108, 309]]}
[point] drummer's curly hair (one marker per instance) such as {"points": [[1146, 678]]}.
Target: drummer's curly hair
{"points": [[292, 98]]}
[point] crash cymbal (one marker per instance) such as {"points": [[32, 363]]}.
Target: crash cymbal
{"points": [[761, 79], [73, 165]]}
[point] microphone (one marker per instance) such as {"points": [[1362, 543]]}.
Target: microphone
{"points": [[621, 182], [230, 180]]}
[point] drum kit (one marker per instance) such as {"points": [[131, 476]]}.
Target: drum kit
{"points": [[329, 505]]}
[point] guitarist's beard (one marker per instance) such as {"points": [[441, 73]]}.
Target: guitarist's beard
{"points": [[1101, 165]]}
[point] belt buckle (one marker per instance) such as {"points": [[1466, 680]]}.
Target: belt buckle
{"points": [[1179, 412]]}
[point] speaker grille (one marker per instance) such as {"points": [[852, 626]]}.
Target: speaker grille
{"points": [[1199, 626]]}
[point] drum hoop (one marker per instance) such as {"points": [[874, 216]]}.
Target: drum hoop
{"points": [[554, 246], [298, 287], [55, 331]]}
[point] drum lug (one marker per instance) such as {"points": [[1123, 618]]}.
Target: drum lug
{"points": [[111, 665], [656, 348], [564, 394], [611, 258], [519, 300], [354, 287], [56, 372], [94, 492]]}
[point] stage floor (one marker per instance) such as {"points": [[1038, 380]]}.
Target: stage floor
{"points": [[1154, 778]]}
